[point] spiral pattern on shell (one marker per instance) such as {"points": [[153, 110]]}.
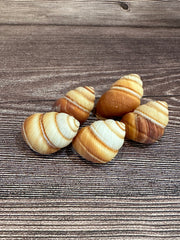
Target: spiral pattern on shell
{"points": [[123, 97], [49, 132], [101, 141], [78, 102], [146, 124]]}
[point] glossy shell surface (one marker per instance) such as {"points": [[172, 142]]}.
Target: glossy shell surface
{"points": [[146, 124], [49, 132], [101, 141], [78, 102], [124, 96]]}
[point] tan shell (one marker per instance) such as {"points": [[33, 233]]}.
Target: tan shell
{"points": [[146, 124], [47, 133], [101, 141], [123, 97], [78, 103]]}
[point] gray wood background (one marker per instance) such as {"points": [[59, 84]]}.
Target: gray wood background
{"points": [[50, 47]]}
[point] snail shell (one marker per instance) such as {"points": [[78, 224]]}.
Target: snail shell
{"points": [[123, 97], [101, 141], [47, 133], [146, 124], [78, 103]]}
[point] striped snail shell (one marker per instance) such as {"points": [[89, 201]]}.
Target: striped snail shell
{"points": [[78, 102], [147, 123], [47, 133], [101, 141], [123, 97]]}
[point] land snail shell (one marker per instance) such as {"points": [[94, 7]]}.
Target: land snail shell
{"points": [[78, 102], [101, 141], [49, 132], [147, 123], [124, 96]]}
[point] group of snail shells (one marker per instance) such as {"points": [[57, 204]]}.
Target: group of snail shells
{"points": [[100, 141]]}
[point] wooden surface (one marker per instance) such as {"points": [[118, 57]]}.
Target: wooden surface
{"points": [[50, 47], [100, 12], [97, 218]]}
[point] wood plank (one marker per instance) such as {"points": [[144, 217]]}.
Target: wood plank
{"points": [[62, 196], [44, 62], [137, 170], [101, 12], [40, 63], [95, 218]]}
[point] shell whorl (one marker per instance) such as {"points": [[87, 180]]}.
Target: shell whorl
{"points": [[47, 133], [83, 97], [123, 97], [155, 111], [109, 132], [131, 84], [78, 102], [100, 141], [146, 124]]}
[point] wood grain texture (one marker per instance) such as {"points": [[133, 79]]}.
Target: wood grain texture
{"points": [[100, 12], [137, 170], [48, 48], [40, 63], [96, 218]]}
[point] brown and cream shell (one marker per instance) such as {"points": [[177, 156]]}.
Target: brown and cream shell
{"points": [[78, 102], [124, 96], [49, 132], [147, 123], [101, 141]]}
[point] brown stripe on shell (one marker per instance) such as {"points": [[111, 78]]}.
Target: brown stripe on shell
{"points": [[88, 150], [94, 158], [126, 92], [132, 80], [145, 113], [41, 125], [120, 125], [147, 131], [25, 136], [113, 130], [84, 95], [90, 89], [69, 124], [99, 140], [121, 85], [165, 105], [75, 123], [158, 109], [82, 108], [59, 129]]}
